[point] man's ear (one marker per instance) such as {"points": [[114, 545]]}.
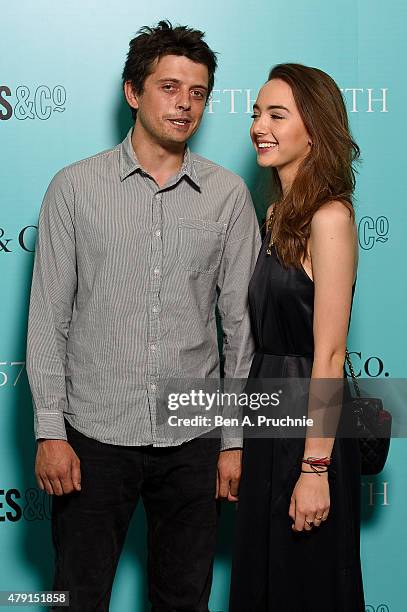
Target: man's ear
{"points": [[130, 94]]}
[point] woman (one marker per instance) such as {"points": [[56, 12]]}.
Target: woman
{"points": [[297, 530]]}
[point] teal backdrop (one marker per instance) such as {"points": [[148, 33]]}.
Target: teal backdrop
{"points": [[61, 100]]}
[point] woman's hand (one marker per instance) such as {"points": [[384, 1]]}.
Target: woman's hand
{"points": [[310, 501]]}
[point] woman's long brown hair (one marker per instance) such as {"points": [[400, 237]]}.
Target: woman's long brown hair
{"points": [[327, 173]]}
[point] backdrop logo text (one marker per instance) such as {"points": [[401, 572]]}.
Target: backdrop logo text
{"points": [[23, 102]]}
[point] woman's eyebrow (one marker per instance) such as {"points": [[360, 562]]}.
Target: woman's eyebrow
{"points": [[272, 107]]}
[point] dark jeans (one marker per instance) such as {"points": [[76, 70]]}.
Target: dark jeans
{"points": [[177, 486]]}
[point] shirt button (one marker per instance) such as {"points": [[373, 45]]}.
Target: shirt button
{"points": [[155, 308], [158, 233], [153, 347], [153, 386], [156, 271], [158, 196]]}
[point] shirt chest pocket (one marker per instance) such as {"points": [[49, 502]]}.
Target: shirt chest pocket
{"points": [[200, 244]]}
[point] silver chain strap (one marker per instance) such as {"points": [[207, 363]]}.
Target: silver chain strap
{"points": [[352, 373]]}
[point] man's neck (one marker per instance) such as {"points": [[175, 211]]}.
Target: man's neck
{"points": [[161, 163]]}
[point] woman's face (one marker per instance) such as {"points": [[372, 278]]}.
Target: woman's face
{"points": [[278, 132]]}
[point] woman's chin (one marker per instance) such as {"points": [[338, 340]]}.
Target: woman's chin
{"points": [[265, 162]]}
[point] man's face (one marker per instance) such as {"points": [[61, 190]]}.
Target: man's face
{"points": [[170, 108]]}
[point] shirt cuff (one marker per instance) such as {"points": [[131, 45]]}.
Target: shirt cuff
{"points": [[49, 425], [231, 439]]}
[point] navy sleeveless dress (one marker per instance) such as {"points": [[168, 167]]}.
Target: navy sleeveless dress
{"points": [[275, 569]]}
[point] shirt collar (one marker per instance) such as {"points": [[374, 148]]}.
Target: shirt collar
{"points": [[127, 157], [129, 162]]}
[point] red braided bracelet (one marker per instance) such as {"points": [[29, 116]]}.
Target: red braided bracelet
{"points": [[318, 461]]}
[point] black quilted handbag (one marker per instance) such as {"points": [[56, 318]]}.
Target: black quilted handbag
{"points": [[373, 428]]}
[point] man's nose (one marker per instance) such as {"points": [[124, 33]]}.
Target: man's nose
{"points": [[183, 101]]}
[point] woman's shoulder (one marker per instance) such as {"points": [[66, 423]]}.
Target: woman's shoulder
{"points": [[333, 229], [333, 215]]}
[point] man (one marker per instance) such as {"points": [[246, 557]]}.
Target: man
{"points": [[136, 247]]}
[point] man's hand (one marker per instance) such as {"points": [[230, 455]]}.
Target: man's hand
{"points": [[57, 467], [229, 470]]}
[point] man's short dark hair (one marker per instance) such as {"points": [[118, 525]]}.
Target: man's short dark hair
{"points": [[151, 44]]}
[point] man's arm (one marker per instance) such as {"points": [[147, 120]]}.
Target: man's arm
{"points": [[238, 261], [52, 294]]}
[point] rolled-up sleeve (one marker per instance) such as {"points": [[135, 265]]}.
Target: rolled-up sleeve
{"points": [[238, 261], [53, 290]]}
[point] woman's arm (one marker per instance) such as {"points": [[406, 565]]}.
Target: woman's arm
{"points": [[333, 251]]}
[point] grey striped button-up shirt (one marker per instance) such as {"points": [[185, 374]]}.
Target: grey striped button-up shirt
{"points": [[126, 279]]}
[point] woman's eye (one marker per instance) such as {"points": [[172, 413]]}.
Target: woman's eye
{"points": [[276, 117], [168, 87], [254, 116], [197, 93]]}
